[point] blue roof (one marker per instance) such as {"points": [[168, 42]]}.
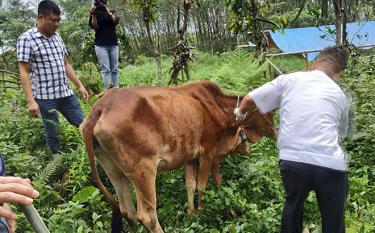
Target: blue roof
{"points": [[317, 38]]}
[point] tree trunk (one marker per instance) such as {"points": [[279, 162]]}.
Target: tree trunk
{"points": [[302, 6], [338, 22], [187, 5], [182, 54], [156, 51]]}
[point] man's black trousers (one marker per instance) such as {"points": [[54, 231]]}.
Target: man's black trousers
{"points": [[330, 186]]}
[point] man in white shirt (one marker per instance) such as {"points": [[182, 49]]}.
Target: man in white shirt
{"points": [[313, 112]]}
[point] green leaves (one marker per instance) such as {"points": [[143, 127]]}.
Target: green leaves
{"points": [[84, 194], [250, 17]]}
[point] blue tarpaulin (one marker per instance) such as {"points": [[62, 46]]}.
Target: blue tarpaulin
{"points": [[317, 38]]}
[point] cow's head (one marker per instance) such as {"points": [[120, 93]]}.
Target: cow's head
{"points": [[257, 125]]}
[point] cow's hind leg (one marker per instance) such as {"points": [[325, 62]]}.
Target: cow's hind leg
{"points": [[144, 181], [121, 185], [191, 183]]}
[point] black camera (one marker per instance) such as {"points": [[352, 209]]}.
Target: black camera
{"points": [[99, 3]]}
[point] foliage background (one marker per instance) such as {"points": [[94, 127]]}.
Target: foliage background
{"points": [[251, 196]]}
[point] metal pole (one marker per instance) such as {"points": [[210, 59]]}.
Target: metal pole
{"points": [[34, 218], [306, 60]]}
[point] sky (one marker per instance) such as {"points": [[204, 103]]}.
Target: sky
{"points": [[31, 3]]}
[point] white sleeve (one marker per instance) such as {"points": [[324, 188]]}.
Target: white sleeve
{"points": [[268, 96]]}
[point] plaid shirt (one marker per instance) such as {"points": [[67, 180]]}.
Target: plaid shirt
{"points": [[46, 57]]}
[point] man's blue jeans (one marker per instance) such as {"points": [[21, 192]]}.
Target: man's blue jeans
{"points": [[108, 60], [69, 107]]}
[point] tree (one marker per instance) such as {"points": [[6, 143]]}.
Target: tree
{"points": [[14, 20], [77, 36], [247, 16], [340, 23], [183, 52], [147, 8]]}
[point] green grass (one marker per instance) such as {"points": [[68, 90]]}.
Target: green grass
{"points": [[236, 72], [290, 63]]}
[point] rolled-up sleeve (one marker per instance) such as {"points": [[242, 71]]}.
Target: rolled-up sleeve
{"points": [[268, 96]]}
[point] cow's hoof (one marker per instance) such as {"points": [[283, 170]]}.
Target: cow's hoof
{"points": [[201, 210], [190, 213]]}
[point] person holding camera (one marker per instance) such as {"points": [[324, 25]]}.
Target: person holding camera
{"points": [[104, 22]]}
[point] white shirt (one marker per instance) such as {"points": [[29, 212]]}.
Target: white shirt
{"points": [[311, 108]]}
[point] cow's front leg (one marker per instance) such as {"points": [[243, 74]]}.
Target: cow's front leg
{"points": [[215, 171], [191, 184], [204, 170]]}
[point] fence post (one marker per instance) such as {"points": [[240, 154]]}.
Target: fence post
{"points": [[3, 80], [306, 60]]}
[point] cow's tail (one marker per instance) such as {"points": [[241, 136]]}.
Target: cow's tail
{"points": [[87, 131]]}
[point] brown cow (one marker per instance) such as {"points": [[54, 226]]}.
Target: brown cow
{"points": [[140, 131]]}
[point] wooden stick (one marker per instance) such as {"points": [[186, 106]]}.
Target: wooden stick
{"points": [[274, 66]]}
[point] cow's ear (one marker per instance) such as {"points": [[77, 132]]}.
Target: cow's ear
{"points": [[252, 136]]}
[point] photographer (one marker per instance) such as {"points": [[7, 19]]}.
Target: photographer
{"points": [[104, 22]]}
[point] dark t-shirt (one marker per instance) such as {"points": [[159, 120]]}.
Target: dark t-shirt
{"points": [[105, 33]]}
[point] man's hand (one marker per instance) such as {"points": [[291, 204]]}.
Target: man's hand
{"points": [[92, 10], [107, 10], [33, 108], [239, 115], [11, 221], [84, 93], [15, 189]]}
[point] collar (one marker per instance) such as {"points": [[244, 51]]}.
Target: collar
{"points": [[39, 34], [322, 73]]}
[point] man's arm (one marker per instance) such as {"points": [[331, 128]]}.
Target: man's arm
{"points": [[24, 68], [93, 22], [246, 105], [265, 98], [345, 118], [113, 15], [74, 78]]}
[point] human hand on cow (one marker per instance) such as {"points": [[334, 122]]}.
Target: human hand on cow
{"points": [[239, 115], [246, 105], [18, 190]]}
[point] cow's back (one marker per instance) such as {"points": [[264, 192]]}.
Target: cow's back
{"points": [[156, 123]]}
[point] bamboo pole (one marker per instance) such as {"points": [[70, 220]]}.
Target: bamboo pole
{"points": [[274, 66], [309, 51]]}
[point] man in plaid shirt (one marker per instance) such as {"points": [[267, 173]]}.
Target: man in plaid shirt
{"points": [[42, 58]]}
